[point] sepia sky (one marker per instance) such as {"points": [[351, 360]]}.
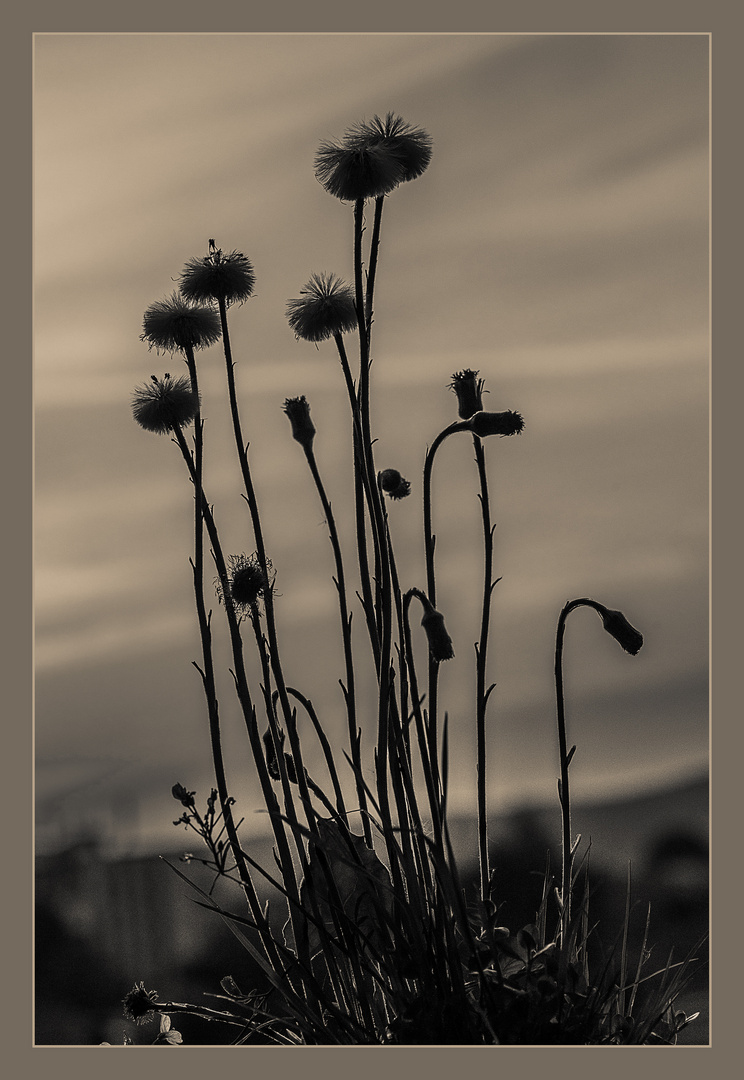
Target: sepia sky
{"points": [[558, 243]]}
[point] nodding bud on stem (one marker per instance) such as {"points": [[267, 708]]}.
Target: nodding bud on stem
{"points": [[271, 760], [469, 390], [495, 423], [440, 643], [393, 484], [618, 626], [303, 429]]}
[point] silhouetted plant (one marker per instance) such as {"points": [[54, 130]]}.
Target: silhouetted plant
{"points": [[378, 943]]}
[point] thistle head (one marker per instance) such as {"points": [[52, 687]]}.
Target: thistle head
{"points": [[325, 308], [495, 423], [411, 146], [393, 484], [217, 276], [303, 429], [468, 389], [357, 170], [164, 404], [177, 324]]}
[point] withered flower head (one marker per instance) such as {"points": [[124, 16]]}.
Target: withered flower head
{"points": [[496, 423], [218, 277], [393, 484], [618, 626], [175, 323], [469, 390], [164, 404], [180, 794], [357, 170], [410, 145], [325, 308], [246, 581], [303, 429], [138, 1004]]}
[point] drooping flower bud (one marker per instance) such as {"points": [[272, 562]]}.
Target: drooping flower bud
{"points": [[324, 308], [440, 643], [469, 390], [218, 277], [303, 429], [164, 404], [496, 423], [175, 323], [393, 484], [618, 626]]}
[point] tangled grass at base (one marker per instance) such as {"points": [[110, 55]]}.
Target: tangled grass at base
{"points": [[377, 941]]}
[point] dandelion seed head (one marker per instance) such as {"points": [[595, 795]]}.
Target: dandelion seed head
{"points": [[165, 404], [176, 324], [325, 307]]}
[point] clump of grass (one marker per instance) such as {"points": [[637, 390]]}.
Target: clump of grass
{"points": [[375, 941]]}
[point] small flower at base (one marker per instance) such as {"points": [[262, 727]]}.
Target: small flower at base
{"points": [[393, 484], [138, 1004], [164, 404], [175, 323], [180, 794], [325, 308], [303, 429], [468, 388], [618, 626], [411, 146], [440, 643], [218, 277], [496, 423]]}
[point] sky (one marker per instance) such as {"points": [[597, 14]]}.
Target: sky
{"points": [[557, 243]]}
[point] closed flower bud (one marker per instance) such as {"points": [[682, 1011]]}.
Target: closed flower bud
{"points": [[218, 277], [616, 624], [325, 308], [175, 323], [303, 429], [164, 404], [393, 484], [440, 643], [468, 388], [271, 760], [496, 423]]}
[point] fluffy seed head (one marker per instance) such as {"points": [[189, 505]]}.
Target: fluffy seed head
{"points": [[409, 145], [218, 277], [164, 404], [176, 324], [246, 581], [325, 308], [360, 170]]}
